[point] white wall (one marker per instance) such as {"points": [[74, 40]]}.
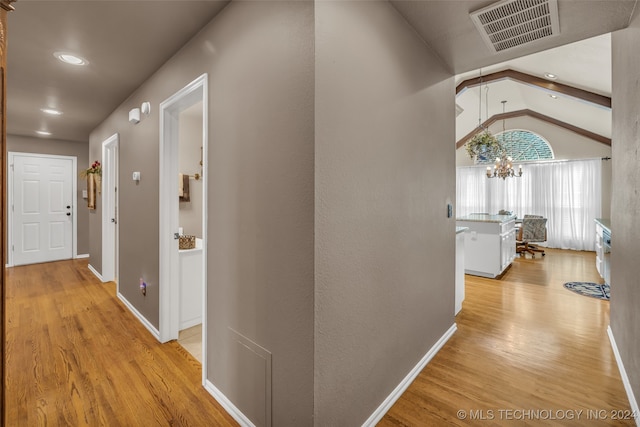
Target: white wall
{"points": [[190, 145], [565, 145]]}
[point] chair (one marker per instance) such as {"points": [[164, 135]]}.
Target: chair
{"points": [[532, 230]]}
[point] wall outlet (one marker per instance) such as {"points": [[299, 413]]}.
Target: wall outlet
{"points": [[143, 287]]}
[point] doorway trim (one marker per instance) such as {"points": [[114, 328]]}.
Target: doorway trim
{"points": [[74, 205], [109, 204], [170, 109]]}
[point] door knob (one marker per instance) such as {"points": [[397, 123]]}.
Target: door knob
{"points": [[68, 213], [68, 207], [113, 220]]}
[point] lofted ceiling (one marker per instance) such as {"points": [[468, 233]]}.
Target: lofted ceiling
{"points": [[584, 65], [126, 41]]}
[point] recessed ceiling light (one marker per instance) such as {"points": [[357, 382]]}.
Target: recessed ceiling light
{"points": [[550, 76], [70, 58], [51, 111], [553, 96], [43, 133]]}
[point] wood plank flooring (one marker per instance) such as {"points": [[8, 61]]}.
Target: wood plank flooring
{"points": [[524, 344], [77, 357]]}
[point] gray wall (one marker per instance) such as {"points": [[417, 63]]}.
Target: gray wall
{"points": [[259, 56], [625, 207], [384, 173], [26, 144]]}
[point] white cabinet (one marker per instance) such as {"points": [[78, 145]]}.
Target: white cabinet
{"points": [[599, 250], [490, 244], [603, 247], [507, 248], [191, 286], [460, 233]]}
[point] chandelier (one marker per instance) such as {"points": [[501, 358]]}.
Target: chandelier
{"points": [[503, 168]]}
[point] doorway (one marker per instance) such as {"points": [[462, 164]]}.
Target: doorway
{"points": [[110, 209], [42, 208], [175, 177]]}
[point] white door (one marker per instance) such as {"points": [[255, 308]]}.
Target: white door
{"points": [[110, 209], [42, 222]]}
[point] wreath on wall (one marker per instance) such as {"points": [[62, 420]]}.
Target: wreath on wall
{"points": [[93, 173]]}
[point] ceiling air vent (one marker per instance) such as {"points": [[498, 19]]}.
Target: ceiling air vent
{"points": [[512, 23]]}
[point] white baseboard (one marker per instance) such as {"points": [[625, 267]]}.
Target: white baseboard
{"points": [[625, 379], [140, 317], [82, 256], [95, 272], [404, 384], [191, 323], [235, 413]]}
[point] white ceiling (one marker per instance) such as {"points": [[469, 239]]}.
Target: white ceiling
{"points": [[126, 41], [585, 65]]}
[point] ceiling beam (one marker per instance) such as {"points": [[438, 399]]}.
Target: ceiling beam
{"points": [[528, 79], [530, 113]]}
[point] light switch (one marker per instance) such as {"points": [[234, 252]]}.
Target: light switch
{"points": [[84, 194], [136, 176]]}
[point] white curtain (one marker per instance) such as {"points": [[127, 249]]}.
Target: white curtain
{"points": [[567, 193]]}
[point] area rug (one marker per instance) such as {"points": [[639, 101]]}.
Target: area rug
{"points": [[594, 290]]}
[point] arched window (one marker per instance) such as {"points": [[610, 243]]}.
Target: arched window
{"points": [[522, 145]]}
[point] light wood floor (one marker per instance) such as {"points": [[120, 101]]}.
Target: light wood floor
{"points": [[523, 343], [191, 340], [77, 357]]}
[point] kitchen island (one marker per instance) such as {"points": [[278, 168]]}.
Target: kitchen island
{"points": [[490, 243]]}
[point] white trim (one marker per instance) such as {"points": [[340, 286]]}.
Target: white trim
{"points": [[191, 323], [625, 378], [82, 256], [205, 217], [170, 108], [95, 272], [140, 317], [74, 201], [235, 413], [109, 259], [411, 376]]}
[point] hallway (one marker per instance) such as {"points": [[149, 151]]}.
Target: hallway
{"points": [[76, 356]]}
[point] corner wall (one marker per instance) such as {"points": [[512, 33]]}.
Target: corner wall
{"points": [[625, 209], [384, 168]]}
